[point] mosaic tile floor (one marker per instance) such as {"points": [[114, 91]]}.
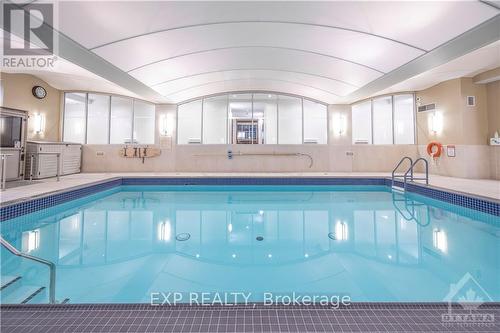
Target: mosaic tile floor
{"points": [[358, 317]]}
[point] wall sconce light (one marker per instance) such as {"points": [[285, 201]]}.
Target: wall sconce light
{"points": [[341, 231], [339, 124], [31, 240], [436, 122], [166, 124], [439, 240], [164, 231], [38, 123]]}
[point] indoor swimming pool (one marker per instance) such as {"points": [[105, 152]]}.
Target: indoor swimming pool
{"points": [[131, 243]]}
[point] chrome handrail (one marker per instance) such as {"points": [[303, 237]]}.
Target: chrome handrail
{"points": [[52, 267], [58, 155], [397, 166], [411, 213], [410, 169], [230, 154], [239, 153], [4, 169]]}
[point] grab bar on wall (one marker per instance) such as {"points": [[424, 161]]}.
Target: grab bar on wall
{"points": [[230, 154], [311, 161], [50, 264]]}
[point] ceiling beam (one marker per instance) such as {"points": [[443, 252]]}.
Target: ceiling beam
{"points": [[494, 4], [72, 51], [77, 54], [484, 34]]}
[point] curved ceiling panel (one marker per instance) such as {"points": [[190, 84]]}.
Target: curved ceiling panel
{"points": [[406, 21], [268, 85], [255, 58], [360, 48], [317, 49], [331, 86]]}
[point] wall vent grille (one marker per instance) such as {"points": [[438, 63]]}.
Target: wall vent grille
{"points": [[428, 107]]}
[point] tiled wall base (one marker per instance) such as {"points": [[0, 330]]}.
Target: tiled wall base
{"points": [[471, 161], [359, 317], [213, 158]]}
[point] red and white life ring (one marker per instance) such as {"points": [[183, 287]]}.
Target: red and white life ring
{"points": [[434, 149]]}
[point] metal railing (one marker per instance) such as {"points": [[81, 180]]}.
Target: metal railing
{"points": [[4, 169], [409, 206], [397, 166], [230, 154], [51, 265], [32, 158], [409, 175], [426, 178]]}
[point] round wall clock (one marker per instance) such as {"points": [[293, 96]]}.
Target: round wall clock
{"points": [[39, 92]]}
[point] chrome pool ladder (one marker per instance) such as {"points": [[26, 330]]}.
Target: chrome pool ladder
{"points": [[50, 264], [409, 210], [409, 174]]}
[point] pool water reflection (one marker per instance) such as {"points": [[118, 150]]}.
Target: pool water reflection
{"points": [[364, 242]]}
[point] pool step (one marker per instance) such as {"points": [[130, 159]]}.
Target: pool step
{"points": [[22, 295], [7, 280], [12, 291]]}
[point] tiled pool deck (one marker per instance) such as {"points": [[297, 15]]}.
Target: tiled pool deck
{"points": [[358, 317]]}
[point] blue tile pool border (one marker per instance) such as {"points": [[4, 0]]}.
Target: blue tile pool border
{"points": [[253, 181], [482, 204], [33, 204], [15, 209]]}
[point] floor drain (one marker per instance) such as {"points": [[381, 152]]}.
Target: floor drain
{"points": [[183, 237], [331, 235], [260, 238]]}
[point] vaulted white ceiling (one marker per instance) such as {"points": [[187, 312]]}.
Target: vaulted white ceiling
{"points": [[324, 50]]}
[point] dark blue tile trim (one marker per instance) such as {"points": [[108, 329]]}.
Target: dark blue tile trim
{"points": [[455, 198], [25, 207], [253, 181]]}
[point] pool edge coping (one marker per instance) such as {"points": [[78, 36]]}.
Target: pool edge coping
{"points": [[386, 183]]}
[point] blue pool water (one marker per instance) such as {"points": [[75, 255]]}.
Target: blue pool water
{"points": [[362, 241]]}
